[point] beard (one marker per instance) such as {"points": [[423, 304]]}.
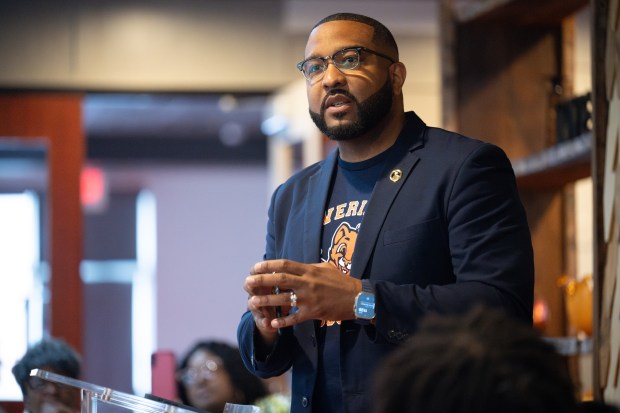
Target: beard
{"points": [[369, 113]]}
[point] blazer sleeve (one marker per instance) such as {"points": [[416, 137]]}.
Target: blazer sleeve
{"points": [[490, 252], [280, 358]]}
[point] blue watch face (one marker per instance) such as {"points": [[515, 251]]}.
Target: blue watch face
{"points": [[365, 306]]}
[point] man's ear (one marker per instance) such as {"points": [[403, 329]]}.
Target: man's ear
{"points": [[398, 72]]}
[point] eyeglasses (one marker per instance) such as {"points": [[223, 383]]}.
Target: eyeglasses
{"points": [[193, 375], [345, 59]]}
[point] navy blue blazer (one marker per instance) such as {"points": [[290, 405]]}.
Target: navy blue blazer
{"points": [[452, 232]]}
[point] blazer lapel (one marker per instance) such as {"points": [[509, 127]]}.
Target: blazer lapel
{"points": [[318, 189], [403, 158]]}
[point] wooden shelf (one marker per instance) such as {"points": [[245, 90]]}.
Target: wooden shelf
{"points": [[556, 166], [517, 12]]}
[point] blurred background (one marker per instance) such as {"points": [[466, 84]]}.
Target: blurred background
{"points": [[142, 140]]}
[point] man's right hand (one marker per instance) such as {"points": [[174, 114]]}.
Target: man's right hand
{"points": [[263, 315]]}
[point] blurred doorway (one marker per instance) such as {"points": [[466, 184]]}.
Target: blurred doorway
{"points": [[22, 278]]}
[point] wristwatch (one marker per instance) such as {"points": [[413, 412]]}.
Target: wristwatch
{"points": [[364, 307]]}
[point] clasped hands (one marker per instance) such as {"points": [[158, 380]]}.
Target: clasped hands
{"points": [[322, 293]]}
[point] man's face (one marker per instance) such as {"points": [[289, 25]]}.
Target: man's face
{"points": [[369, 114], [44, 396], [347, 104]]}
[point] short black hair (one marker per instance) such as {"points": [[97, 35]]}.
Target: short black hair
{"points": [[382, 35], [251, 387], [49, 352], [480, 362]]}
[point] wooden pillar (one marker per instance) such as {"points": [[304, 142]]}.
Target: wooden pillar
{"points": [[56, 118], [606, 175]]}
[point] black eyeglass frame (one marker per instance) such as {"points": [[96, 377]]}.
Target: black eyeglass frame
{"points": [[359, 49]]}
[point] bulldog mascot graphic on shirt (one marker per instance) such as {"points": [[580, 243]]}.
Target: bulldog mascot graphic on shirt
{"points": [[341, 252]]}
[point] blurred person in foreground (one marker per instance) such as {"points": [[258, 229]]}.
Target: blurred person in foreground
{"points": [[44, 396], [401, 220], [480, 362], [212, 374]]}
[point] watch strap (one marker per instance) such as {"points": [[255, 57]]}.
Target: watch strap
{"points": [[367, 286]]}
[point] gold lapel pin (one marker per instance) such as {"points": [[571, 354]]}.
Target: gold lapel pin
{"points": [[395, 175]]}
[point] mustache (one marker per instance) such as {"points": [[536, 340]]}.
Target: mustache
{"points": [[333, 92]]}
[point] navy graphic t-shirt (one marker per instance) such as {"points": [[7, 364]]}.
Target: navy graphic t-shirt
{"points": [[351, 189]]}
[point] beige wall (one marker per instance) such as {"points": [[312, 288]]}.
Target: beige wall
{"points": [[191, 45], [141, 45]]}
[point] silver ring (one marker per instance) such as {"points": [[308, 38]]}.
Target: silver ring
{"points": [[293, 299]]}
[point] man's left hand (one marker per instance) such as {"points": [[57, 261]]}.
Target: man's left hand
{"points": [[322, 292]]}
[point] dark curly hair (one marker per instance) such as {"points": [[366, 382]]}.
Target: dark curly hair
{"points": [[249, 386], [51, 353], [480, 362]]}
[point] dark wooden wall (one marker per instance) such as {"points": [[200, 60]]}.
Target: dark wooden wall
{"points": [[506, 67], [606, 93]]}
